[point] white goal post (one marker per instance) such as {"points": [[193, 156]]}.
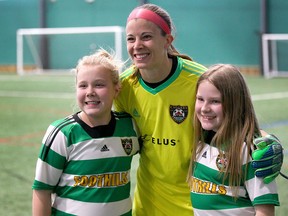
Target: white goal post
{"points": [[275, 52], [29, 32]]}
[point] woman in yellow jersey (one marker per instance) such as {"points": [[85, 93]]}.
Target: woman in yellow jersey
{"points": [[158, 91]]}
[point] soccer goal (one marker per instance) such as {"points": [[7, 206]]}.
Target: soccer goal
{"points": [[57, 50], [275, 55]]}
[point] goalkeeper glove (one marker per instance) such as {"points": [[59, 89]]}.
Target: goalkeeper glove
{"points": [[267, 158]]}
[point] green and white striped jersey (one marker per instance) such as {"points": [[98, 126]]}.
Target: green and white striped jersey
{"points": [[209, 196], [87, 168]]}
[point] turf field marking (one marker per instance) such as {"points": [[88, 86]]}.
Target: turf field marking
{"points": [[63, 95], [47, 78], [274, 124], [22, 140], [27, 94], [270, 96]]}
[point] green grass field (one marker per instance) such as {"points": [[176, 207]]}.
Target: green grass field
{"points": [[30, 103]]}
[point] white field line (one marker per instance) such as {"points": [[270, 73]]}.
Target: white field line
{"points": [[47, 78], [270, 96], [21, 94], [62, 95]]}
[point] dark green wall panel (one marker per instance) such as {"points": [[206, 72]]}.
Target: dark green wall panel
{"points": [[210, 31]]}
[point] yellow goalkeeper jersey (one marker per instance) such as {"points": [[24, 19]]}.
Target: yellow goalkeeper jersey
{"points": [[164, 117]]}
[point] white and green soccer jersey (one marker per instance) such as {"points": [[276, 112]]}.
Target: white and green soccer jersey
{"points": [[87, 168], [209, 196], [164, 118]]}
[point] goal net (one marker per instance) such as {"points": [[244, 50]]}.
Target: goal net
{"points": [[275, 55], [57, 50]]}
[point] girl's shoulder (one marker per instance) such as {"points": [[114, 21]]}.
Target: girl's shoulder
{"points": [[65, 120], [122, 115]]}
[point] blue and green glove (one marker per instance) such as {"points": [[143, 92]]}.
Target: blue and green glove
{"points": [[267, 158]]}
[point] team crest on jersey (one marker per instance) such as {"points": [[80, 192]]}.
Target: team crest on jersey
{"points": [[178, 113], [221, 162], [127, 145]]}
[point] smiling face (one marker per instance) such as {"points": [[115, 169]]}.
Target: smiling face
{"points": [[208, 106], [146, 45], [95, 93]]}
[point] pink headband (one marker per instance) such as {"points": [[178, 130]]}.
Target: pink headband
{"points": [[151, 16]]}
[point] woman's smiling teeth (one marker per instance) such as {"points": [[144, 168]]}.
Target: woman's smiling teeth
{"points": [[207, 117], [92, 102], [140, 56]]}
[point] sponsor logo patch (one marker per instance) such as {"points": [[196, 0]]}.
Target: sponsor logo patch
{"points": [[221, 162], [127, 145], [178, 113]]}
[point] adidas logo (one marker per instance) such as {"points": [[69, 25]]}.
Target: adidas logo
{"points": [[204, 154], [135, 113], [104, 148]]}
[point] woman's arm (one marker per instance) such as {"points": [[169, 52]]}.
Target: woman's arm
{"points": [[41, 203], [264, 210]]}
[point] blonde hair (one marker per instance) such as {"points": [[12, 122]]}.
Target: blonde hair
{"points": [[239, 124], [104, 58]]}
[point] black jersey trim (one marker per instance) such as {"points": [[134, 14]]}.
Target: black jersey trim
{"points": [[120, 115], [52, 135], [99, 131]]}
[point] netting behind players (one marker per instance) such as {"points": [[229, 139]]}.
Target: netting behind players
{"points": [[57, 50], [275, 52]]}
